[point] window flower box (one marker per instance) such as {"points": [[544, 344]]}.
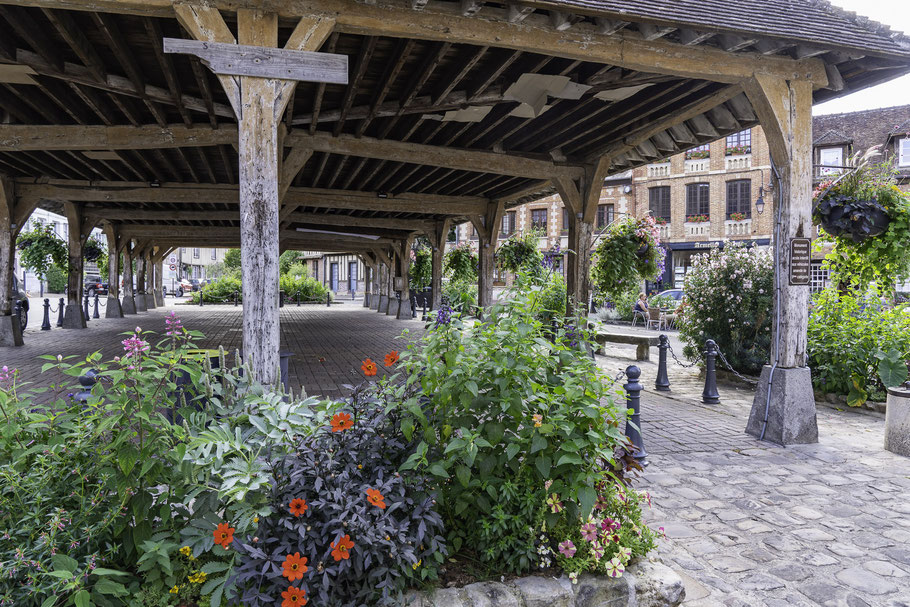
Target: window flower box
{"points": [[697, 219], [738, 150]]}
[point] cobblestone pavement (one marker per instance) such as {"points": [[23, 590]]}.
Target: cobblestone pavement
{"points": [[748, 524], [752, 524], [329, 344]]}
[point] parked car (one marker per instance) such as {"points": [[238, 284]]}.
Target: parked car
{"points": [[18, 294], [195, 284], [676, 294], [182, 286], [94, 285]]}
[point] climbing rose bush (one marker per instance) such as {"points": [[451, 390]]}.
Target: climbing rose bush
{"points": [[729, 298]]}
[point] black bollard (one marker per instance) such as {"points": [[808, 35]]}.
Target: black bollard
{"points": [[413, 300], [60, 316], [280, 299], [633, 423], [46, 325], [86, 381], [235, 299], [95, 313], [163, 293], [710, 395], [200, 298], [298, 298], [424, 317], [85, 312], [662, 383], [328, 300]]}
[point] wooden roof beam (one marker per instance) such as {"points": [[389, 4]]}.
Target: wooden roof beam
{"points": [[16, 137]]}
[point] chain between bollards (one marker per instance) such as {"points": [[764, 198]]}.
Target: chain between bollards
{"points": [[60, 307], [662, 383], [710, 395], [46, 324], [633, 423]]}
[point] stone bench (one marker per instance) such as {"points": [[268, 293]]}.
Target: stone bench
{"points": [[643, 343]]}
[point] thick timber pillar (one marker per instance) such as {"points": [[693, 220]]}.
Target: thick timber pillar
{"points": [[580, 197], [259, 103], [141, 267], [437, 237], [113, 309], [13, 215], [487, 227], [79, 229], [404, 271], [784, 407], [129, 297]]}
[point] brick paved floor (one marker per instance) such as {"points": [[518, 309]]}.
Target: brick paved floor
{"points": [[748, 524], [343, 336]]}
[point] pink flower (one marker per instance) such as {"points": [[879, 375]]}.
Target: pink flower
{"points": [[609, 524], [134, 347], [567, 548], [589, 532], [174, 324], [597, 550]]}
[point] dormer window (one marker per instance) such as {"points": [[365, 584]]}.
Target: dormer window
{"points": [[830, 160], [903, 152]]}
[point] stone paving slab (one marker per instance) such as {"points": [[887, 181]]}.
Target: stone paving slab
{"points": [[329, 343]]}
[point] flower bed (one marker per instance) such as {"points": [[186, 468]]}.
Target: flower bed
{"points": [[493, 444]]}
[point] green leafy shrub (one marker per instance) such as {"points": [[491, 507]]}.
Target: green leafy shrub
{"points": [[507, 414], [56, 279], [460, 294], [221, 290], [729, 299], [626, 255], [342, 485], [848, 337], [421, 270], [308, 288]]}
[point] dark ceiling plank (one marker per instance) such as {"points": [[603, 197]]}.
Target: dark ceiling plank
{"points": [[168, 164], [50, 159], [338, 168], [186, 163], [126, 157], [388, 78], [494, 74], [61, 95], [14, 107], [73, 34], [423, 74], [456, 76], [107, 23], [38, 103], [649, 31], [91, 98], [24, 25], [206, 164], [406, 137], [226, 163], [205, 90], [317, 175], [320, 88], [166, 63], [125, 105], [360, 68]]}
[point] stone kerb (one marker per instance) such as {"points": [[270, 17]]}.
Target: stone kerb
{"points": [[644, 584]]}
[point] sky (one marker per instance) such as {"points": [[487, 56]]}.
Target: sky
{"points": [[896, 14]]}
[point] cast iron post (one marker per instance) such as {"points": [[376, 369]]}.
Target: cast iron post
{"points": [[633, 423], [710, 395], [662, 383]]}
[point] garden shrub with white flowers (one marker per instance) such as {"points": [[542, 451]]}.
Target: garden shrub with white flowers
{"points": [[729, 298]]}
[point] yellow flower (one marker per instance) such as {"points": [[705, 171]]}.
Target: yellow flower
{"points": [[255, 519], [174, 590], [538, 420], [197, 578], [185, 551], [416, 565]]}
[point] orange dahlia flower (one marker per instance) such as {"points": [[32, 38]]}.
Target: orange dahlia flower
{"points": [[293, 597], [294, 567], [224, 535], [341, 422], [376, 498], [369, 368], [391, 358], [341, 547], [298, 506]]}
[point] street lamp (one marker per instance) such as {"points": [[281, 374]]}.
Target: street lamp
{"points": [[760, 202]]}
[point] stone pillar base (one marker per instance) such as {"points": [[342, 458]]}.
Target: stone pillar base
{"points": [[150, 301], [159, 298], [791, 412], [112, 308], [366, 300], [404, 310], [129, 305], [393, 307], [72, 317], [383, 307], [140, 302], [897, 422], [10, 332]]}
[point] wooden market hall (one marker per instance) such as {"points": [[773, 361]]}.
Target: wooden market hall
{"points": [[356, 125]]}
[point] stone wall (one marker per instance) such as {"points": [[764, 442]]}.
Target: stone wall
{"points": [[644, 584]]}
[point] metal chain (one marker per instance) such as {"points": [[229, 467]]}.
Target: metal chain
{"points": [[614, 380], [723, 359], [697, 360]]}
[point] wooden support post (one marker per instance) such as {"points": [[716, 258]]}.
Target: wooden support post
{"points": [[437, 237], [129, 297], [13, 215], [150, 302], [385, 280], [580, 198], [784, 409], [79, 228], [113, 309], [141, 261], [487, 227], [404, 267], [260, 104]]}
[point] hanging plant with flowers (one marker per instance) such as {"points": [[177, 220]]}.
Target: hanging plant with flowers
{"points": [[628, 253], [866, 218]]}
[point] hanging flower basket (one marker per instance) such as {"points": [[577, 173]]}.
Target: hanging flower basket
{"points": [[844, 216], [628, 253], [643, 251]]}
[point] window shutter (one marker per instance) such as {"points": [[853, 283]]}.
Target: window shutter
{"points": [[904, 152]]}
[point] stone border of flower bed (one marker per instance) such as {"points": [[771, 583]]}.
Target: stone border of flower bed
{"points": [[644, 584]]}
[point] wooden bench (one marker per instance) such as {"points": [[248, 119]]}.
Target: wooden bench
{"points": [[643, 343]]}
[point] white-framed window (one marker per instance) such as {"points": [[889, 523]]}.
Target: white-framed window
{"points": [[903, 152], [214, 254], [830, 160], [196, 253], [818, 277]]}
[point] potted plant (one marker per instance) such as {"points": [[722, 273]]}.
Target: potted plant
{"points": [[697, 219], [628, 253], [737, 216], [892, 370], [697, 154], [739, 150]]}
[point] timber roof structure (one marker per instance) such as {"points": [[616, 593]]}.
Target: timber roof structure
{"points": [[450, 104]]}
